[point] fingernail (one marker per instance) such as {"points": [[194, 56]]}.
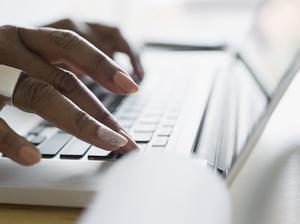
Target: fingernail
{"points": [[125, 134], [29, 155], [110, 137], [131, 145], [125, 82]]}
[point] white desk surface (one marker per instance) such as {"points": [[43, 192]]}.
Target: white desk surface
{"points": [[268, 188]]}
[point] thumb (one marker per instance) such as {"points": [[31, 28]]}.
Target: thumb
{"points": [[16, 147]]}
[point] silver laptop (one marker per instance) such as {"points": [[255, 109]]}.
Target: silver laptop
{"points": [[210, 105]]}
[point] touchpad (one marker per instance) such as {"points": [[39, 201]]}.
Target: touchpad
{"points": [[159, 188]]}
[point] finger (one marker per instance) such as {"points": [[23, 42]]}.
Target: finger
{"points": [[60, 46], [76, 91], [64, 82], [83, 30], [65, 67], [120, 44], [124, 47], [40, 69], [71, 87], [16, 147], [110, 121], [36, 96], [105, 44]]}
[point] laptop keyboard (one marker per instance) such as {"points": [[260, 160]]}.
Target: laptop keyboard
{"points": [[149, 117]]}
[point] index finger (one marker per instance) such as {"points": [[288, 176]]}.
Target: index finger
{"points": [[61, 46]]}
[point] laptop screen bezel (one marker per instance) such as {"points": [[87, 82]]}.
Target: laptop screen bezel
{"points": [[275, 98]]}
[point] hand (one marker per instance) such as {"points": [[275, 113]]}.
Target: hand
{"points": [[107, 39], [58, 95]]}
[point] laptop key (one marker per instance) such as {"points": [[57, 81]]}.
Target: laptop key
{"points": [[96, 153], [53, 145], [35, 139], [126, 123], [145, 128], [171, 117], [48, 132], [168, 124], [153, 113], [165, 131], [150, 120], [157, 148], [128, 116], [160, 141], [142, 146], [36, 130], [76, 149], [140, 137]]}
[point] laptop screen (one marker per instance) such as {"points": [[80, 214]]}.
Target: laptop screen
{"points": [[274, 42], [269, 52]]}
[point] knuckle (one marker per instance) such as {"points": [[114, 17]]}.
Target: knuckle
{"points": [[116, 31], [64, 39], [108, 119], [36, 92], [103, 116], [66, 83], [81, 120], [99, 62], [67, 22]]}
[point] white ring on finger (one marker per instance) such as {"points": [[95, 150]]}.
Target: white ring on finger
{"points": [[8, 79]]}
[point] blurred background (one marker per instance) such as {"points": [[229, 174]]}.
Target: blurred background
{"points": [[184, 21]]}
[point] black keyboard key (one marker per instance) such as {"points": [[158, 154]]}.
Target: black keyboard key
{"points": [[96, 153], [140, 137], [160, 141], [98, 91], [53, 145], [36, 130], [46, 124], [75, 149], [112, 102]]}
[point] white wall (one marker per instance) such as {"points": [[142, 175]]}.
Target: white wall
{"points": [[185, 20]]}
